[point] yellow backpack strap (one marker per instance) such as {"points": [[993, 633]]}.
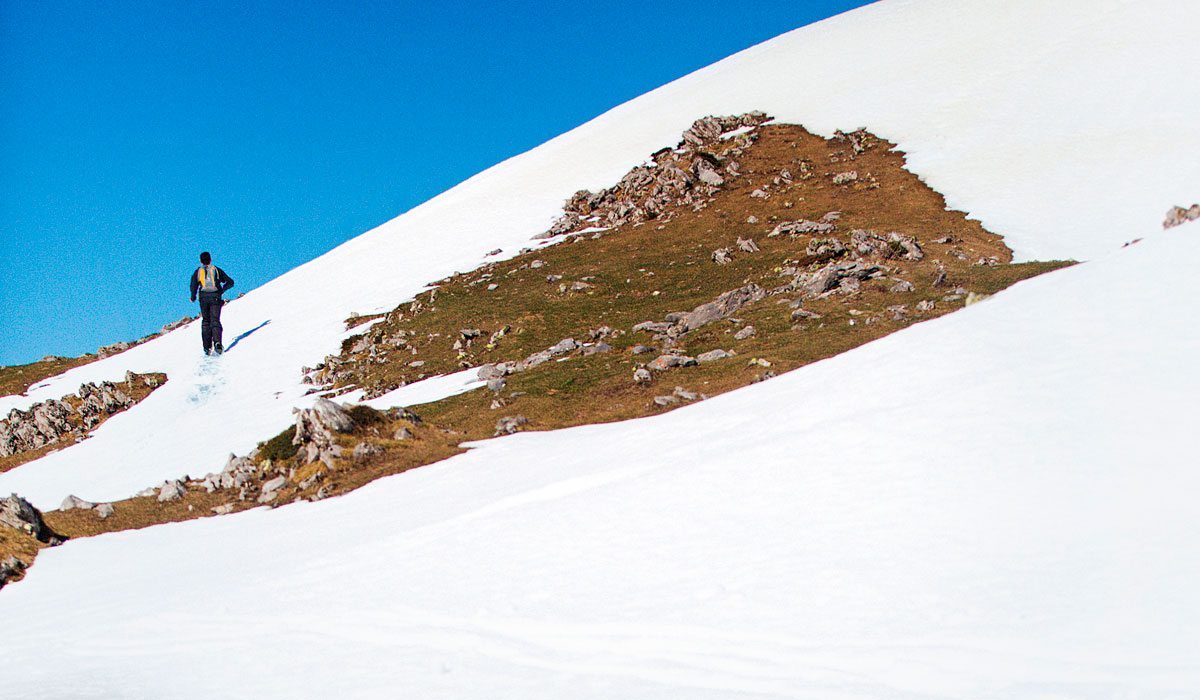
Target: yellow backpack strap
{"points": [[200, 277]]}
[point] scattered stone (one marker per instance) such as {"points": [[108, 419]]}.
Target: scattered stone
{"points": [[804, 314], [975, 298], [665, 400], [1177, 216], [19, 514], [665, 362], [746, 332], [535, 264], [493, 287], [898, 311], [686, 395], [641, 349], [363, 450], [759, 362], [496, 385], [722, 256], [713, 355], [925, 305], [845, 178], [939, 279], [901, 286], [747, 245], [759, 194], [641, 375], [402, 434], [315, 428], [752, 219], [596, 349], [105, 510], [509, 425], [946, 240], [223, 509], [825, 248], [113, 349], [802, 226], [496, 251], [72, 502], [172, 491]]}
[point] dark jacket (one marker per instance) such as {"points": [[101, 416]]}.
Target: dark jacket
{"points": [[224, 282]]}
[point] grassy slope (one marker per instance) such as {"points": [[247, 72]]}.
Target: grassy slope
{"points": [[638, 273]]}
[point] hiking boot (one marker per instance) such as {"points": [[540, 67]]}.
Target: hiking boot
{"points": [[217, 349]]}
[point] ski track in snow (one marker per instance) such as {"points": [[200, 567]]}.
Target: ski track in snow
{"points": [[994, 504]]}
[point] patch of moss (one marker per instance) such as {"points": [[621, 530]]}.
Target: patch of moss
{"points": [[279, 447]]}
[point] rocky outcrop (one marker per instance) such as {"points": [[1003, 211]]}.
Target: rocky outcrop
{"points": [[68, 420], [315, 429], [724, 306], [19, 514], [1178, 216], [685, 176]]}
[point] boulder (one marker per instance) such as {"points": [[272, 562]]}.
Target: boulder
{"points": [[105, 510], [641, 375], [745, 332], [72, 502], [665, 362], [171, 491], [509, 425], [19, 514], [315, 429], [713, 356]]}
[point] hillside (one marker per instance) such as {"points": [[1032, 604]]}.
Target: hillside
{"points": [[879, 492]]}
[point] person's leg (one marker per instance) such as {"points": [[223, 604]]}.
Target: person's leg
{"points": [[216, 325], [206, 325]]}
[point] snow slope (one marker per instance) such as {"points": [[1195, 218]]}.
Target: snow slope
{"points": [[995, 504], [1061, 125]]}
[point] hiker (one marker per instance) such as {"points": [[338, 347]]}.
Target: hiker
{"points": [[211, 281]]}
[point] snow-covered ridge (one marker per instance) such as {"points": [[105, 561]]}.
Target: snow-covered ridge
{"points": [[1042, 155]]}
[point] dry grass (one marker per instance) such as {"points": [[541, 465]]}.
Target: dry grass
{"points": [[637, 273], [16, 379]]}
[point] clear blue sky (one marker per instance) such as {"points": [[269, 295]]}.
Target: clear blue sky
{"points": [[135, 134]]}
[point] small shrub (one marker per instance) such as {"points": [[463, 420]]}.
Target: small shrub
{"points": [[279, 447]]}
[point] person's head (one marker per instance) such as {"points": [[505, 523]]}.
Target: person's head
{"points": [[205, 258]]}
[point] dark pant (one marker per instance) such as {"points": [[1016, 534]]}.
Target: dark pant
{"points": [[210, 320]]}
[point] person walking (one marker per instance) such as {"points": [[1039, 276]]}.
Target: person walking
{"points": [[211, 282]]}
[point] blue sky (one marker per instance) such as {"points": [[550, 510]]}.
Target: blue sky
{"points": [[135, 134]]}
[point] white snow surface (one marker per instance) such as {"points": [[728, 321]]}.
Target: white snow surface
{"points": [[999, 503], [1068, 127], [993, 504]]}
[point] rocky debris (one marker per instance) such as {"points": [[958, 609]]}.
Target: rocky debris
{"points": [[745, 332], [722, 256], [223, 509], [825, 249], [975, 298], [901, 286], [688, 175], [859, 140], [315, 428], [989, 261], [665, 400], [72, 502], [11, 568], [725, 305], [939, 278], [19, 514], [595, 349], [665, 362], [1178, 216], [835, 277], [759, 194], [67, 420], [509, 425], [363, 450], [925, 305], [713, 355], [640, 349], [172, 491], [402, 434], [747, 245], [641, 375], [803, 227], [270, 489], [176, 324], [113, 349], [752, 219], [947, 239], [496, 385], [898, 311], [893, 246], [105, 510], [799, 314], [686, 395], [845, 178]]}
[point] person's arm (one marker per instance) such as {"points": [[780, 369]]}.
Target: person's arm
{"points": [[194, 285], [226, 281]]}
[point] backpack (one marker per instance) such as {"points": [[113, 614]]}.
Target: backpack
{"points": [[208, 276]]}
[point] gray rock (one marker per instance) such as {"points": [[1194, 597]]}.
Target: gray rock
{"points": [[747, 245], [496, 385], [684, 394], [745, 332], [597, 348], [925, 305], [722, 256], [665, 400], [510, 424], [563, 346], [901, 286], [315, 428], [845, 178], [665, 362], [363, 450], [641, 375], [171, 491], [402, 434], [19, 514], [72, 502], [223, 509], [641, 349], [801, 226], [713, 356], [104, 510]]}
